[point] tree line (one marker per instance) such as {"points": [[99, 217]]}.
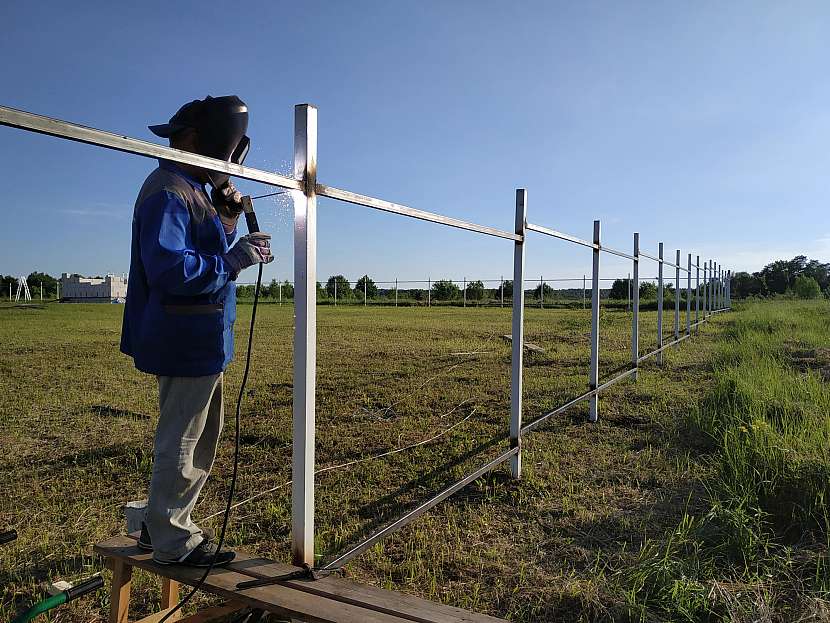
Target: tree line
{"points": [[799, 277]]}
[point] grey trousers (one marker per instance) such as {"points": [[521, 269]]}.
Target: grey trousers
{"points": [[191, 415]]}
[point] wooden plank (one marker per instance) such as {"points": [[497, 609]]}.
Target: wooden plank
{"points": [[170, 597], [122, 575], [203, 616], [534, 348], [407, 607], [278, 599]]}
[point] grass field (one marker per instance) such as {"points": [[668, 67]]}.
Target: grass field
{"points": [[590, 532]]}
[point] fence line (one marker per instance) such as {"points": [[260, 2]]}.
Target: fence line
{"points": [[305, 190]]}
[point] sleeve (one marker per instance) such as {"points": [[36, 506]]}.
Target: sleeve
{"points": [[168, 254]]}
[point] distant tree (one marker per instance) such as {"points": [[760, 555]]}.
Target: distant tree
{"points": [[371, 287], [508, 288], [475, 291], [344, 290], [745, 284], [648, 290], [547, 290], [445, 290], [271, 290], [619, 289], [50, 284], [287, 290], [778, 277], [8, 280], [806, 287]]}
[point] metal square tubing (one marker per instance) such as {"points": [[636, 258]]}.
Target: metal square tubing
{"points": [[689, 296], [593, 379], [558, 234], [677, 297], [635, 295], [697, 295], [660, 305], [705, 289], [305, 335], [517, 353]]}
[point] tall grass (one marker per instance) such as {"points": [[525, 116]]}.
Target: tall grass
{"points": [[755, 547]]}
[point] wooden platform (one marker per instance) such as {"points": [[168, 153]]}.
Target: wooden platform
{"points": [[328, 600]]}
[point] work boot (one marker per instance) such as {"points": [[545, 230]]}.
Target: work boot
{"points": [[202, 556], [145, 544]]}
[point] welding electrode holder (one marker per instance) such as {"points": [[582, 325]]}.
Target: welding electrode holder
{"points": [[250, 215]]}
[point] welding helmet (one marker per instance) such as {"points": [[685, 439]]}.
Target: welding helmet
{"points": [[221, 123]]}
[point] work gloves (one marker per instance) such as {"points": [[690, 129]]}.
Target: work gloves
{"points": [[228, 203], [249, 250]]}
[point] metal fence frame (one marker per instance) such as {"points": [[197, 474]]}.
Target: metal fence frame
{"points": [[305, 190]]}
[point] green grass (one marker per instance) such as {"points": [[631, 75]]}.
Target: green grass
{"points": [[595, 500]]}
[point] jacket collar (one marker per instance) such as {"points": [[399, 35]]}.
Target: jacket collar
{"points": [[167, 165]]}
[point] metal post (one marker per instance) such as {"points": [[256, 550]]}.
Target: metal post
{"points": [[720, 287], [729, 288], [677, 296], [335, 291], [517, 353], [365, 281], [501, 291], [279, 288], [689, 295], [705, 290], [697, 295], [41, 291], [660, 304], [396, 291], [635, 316], [305, 334], [429, 291], [628, 301], [541, 292], [465, 292], [593, 378]]}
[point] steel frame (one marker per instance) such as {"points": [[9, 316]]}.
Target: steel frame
{"points": [[305, 190]]}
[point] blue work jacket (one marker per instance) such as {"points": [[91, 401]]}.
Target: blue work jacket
{"points": [[181, 297]]}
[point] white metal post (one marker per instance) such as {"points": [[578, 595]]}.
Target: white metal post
{"points": [[41, 291], [677, 296], [593, 379], [541, 293], [517, 353], [465, 292], [697, 295], [628, 302], [660, 304], [689, 295], [396, 291], [705, 289], [501, 291], [729, 288], [365, 289], [305, 334], [279, 288], [583, 291], [335, 291], [429, 292], [635, 316]]}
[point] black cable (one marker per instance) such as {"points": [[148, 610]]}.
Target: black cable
{"points": [[282, 192], [229, 503]]}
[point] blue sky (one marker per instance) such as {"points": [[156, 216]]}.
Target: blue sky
{"points": [[705, 125]]}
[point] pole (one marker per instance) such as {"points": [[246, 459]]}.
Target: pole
{"points": [[396, 291], [593, 379], [635, 316], [41, 291], [279, 288], [335, 291], [705, 290], [689, 295], [697, 295], [465, 292], [429, 292], [677, 297], [365, 281], [583, 291], [501, 291], [541, 293], [517, 352], [628, 292], [660, 304], [305, 334]]}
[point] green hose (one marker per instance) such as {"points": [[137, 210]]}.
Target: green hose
{"points": [[42, 606]]}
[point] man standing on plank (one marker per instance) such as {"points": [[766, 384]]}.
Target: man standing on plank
{"points": [[180, 311]]}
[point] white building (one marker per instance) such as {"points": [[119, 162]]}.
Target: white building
{"points": [[110, 289]]}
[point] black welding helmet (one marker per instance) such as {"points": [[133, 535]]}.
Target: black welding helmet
{"points": [[221, 123]]}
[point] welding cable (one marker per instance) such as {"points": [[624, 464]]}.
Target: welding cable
{"points": [[229, 503], [363, 460]]}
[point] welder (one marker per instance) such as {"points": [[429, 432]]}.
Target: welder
{"points": [[180, 312]]}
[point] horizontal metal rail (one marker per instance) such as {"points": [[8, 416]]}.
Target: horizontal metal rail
{"points": [[82, 134], [396, 208], [651, 257], [419, 510], [615, 252], [663, 347], [561, 409], [558, 234]]}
